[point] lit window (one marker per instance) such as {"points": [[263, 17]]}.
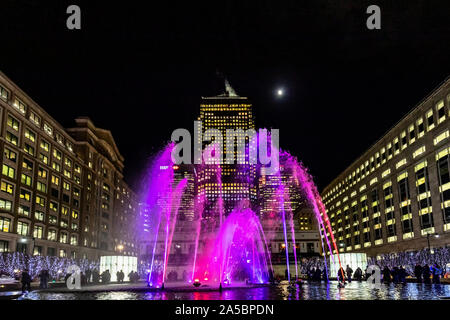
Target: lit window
{"points": [[48, 129], [8, 171], [19, 105], [35, 119], [4, 94], [7, 187]]}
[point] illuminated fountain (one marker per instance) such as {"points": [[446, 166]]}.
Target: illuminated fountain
{"points": [[231, 248]]}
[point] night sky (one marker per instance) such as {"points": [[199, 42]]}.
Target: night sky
{"points": [[140, 71]]}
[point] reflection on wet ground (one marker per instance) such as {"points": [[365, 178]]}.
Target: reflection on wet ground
{"points": [[308, 291]]}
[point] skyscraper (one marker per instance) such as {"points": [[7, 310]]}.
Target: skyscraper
{"points": [[227, 111]]}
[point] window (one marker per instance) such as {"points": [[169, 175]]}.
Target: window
{"points": [[19, 105], [54, 206], [38, 232], [440, 110], [59, 138], [13, 123], [412, 134], [44, 145], [396, 146], [76, 192], [35, 119], [4, 94], [24, 210], [48, 129], [419, 151], [42, 173], [64, 210], [30, 135], [40, 201], [4, 245], [57, 154], [430, 120], [74, 214], [420, 128], [444, 135], [12, 138], [404, 140], [42, 187], [62, 252], [77, 168], [66, 186], [51, 235], [64, 223], [73, 240], [8, 171], [56, 166], [106, 187], [67, 173], [55, 180], [63, 237], [22, 228], [25, 179], [39, 215], [54, 192], [43, 158], [52, 219], [5, 224], [7, 187], [27, 164], [25, 195], [443, 165], [10, 155], [28, 149], [68, 162]]}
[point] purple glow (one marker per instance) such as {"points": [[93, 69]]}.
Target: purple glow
{"points": [[234, 239]]}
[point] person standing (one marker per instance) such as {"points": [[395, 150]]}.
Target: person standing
{"points": [[349, 272], [437, 274], [358, 274], [88, 275], [418, 272], [386, 275], [43, 276], [26, 281], [426, 274]]}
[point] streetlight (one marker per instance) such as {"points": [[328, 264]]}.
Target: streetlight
{"points": [[428, 240], [25, 240]]}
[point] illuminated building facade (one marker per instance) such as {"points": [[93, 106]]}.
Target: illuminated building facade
{"points": [[186, 208], [396, 196], [226, 111], [268, 187], [62, 191]]}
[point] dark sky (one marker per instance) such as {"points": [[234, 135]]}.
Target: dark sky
{"points": [[140, 70]]}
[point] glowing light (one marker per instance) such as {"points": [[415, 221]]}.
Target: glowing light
{"points": [[280, 92]]}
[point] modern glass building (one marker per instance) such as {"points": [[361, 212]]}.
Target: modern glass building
{"points": [[396, 196]]}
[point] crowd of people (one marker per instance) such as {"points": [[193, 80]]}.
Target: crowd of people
{"points": [[422, 274], [86, 277]]}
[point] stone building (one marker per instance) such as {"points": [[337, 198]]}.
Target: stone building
{"points": [[396, 196], [62, 190]]}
